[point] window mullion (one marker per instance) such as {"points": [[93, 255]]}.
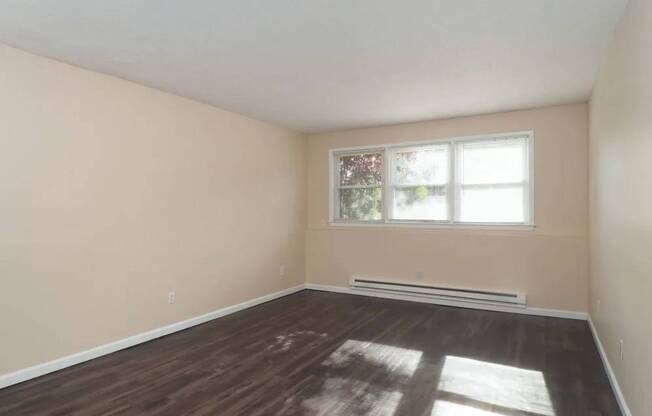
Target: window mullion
{"points": [[387, 188], [376, 185], [494, 185], [416, 185], [335, 192], [527, 188], [453, 196]]}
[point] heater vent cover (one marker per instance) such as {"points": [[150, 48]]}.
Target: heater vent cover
{"points": [[438, 292]]}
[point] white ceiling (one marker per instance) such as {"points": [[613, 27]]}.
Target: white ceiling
{"points": [[317, 65]]}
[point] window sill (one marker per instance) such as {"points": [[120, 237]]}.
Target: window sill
{"points": [[433, 225]]}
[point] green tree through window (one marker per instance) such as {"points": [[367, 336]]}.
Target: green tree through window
{"points": [[360, 186]]}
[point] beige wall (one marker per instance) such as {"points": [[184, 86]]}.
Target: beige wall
{"points": [[621, 205], [550, 263], [113, 194]]}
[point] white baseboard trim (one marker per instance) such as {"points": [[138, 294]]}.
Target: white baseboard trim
{"points": [[80, 357], [610, 373], [462, 304]]}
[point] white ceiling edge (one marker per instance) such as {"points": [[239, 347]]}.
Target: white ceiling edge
{"points": [[145, 85], [321, 66], [450, 118], [441, 117]]}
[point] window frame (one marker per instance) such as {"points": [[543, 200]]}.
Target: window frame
{"points": [[453, 185], [391, 186], [335, 184]]}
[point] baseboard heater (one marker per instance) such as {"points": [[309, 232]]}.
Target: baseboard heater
{"points": [[443, 293]]}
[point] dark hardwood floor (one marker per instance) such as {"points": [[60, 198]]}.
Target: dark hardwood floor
{"points": [[315, 353]]}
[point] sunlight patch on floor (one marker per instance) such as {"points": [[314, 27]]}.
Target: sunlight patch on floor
{"points": [[339, 396], [343, 396], [283, 343], [495, 384], [444, 408], [395, 360]]}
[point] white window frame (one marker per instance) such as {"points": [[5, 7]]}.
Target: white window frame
{"points": [[453, 188], [335, 184]]}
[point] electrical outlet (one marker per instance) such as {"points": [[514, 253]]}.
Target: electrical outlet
{"points": [[172, 297], [622, 349], [419, 275], [281, 270]]}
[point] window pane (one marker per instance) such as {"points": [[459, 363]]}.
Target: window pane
{"points": [[421, 165], [420, 203], [495, 161], [361, 169], [492, 204], [361, 204]]}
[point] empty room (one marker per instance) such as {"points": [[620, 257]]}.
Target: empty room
{"points": [[348, 208]]}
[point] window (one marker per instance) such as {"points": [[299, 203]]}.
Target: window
{"points": [[466, 181], [360, 186]]}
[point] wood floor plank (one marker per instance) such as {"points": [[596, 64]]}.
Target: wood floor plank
{"points": [[315, 353]]}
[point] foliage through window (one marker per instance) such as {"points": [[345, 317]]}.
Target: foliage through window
{"points": [[360, 186], [420, 183], [459, 181]]}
